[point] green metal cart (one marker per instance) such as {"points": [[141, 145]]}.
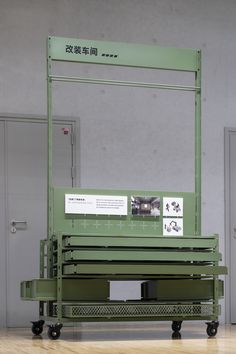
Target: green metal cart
{"points": [[97, 236]]}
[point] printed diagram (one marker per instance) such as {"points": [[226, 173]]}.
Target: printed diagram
{"points": [[173, 226], [172, 206], [175, 205]]}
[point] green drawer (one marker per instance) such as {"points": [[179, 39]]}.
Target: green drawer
{"points": [[72, 290], [111, 254], [137, 269], [140, 242], [38, 289]]}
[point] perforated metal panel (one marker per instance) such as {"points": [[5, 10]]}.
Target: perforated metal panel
{"points": [[137, 310]]}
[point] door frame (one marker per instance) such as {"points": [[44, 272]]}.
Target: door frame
{"points": [[4, 251], [3, 246], [227, 132]]}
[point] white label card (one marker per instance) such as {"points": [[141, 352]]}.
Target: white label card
{"points": [[173, 206], [96, 204], [173, 226]]}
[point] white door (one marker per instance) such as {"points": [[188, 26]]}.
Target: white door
{"points": [[26, 175]]}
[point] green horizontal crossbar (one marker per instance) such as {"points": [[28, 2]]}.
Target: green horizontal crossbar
{"points": [[153, 85]]}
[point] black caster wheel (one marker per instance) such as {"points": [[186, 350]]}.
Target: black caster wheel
{"points": [[37, 327], [176, 335], [54, 332], [212, 328], [176, 326]]}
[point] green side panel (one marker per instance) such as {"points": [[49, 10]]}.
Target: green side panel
{"points": [[103, 254], [73, 290], [125, 54], [182, 290], [141, 269], [109, 225], [85, 290]]}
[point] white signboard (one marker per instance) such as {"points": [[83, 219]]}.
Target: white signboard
{"points": [[96, 204]]}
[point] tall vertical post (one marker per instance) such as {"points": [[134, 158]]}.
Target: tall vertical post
{"points": [[198, 146], [49, 148], [49, 167]]}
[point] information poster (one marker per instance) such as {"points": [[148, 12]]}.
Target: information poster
{"points": [[96, 204]]}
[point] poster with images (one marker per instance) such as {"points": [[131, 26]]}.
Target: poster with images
{"points": [[145, 206], [173, 206], [173, 226]]}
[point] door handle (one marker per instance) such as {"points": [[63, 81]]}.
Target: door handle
{"points": [[17, 224]]}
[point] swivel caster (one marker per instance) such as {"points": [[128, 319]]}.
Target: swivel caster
{"points": [[54, 332], [37, 327], [212, 328], [176, 335], [176, 326]]}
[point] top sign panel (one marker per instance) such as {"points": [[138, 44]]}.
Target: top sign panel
{"points": [[124, 54]]}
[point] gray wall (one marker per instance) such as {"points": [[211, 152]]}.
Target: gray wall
{"points": [[130, 138]]}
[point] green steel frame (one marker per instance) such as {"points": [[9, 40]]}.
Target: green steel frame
{"points": [[131, 55], [83, 253]]}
